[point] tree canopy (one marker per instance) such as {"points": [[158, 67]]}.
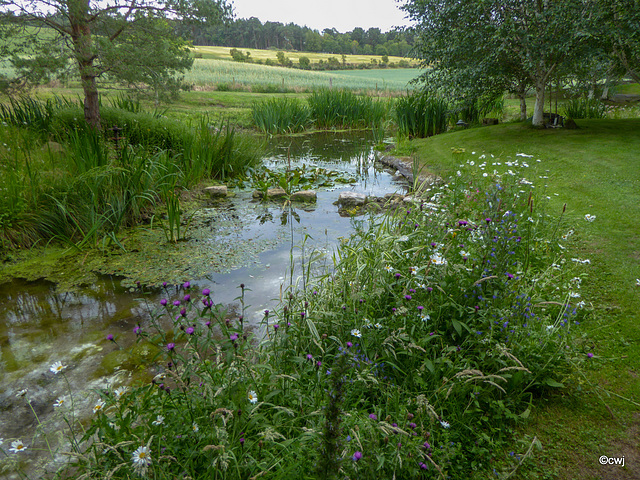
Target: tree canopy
{"points": [[131, 42], [476, 47]]}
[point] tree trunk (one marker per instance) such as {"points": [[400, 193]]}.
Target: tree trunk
{"points": [[523, 107], [84, 56], [538, 109]]}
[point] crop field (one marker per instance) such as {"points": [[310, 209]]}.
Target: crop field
{"points": [[222, 53], [207, 72]]}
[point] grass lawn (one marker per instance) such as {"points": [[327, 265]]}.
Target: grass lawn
{"points": [[594, 170]]}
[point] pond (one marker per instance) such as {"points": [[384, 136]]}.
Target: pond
{"points": [[41, 325]]}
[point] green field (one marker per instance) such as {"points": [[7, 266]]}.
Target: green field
{"points": [[209, 73]]}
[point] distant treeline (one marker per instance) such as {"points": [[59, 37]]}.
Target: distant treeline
{"points": [[252, 33]]}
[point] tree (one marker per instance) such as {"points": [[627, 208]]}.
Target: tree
{"points": [[488, 46], [128, 41]]}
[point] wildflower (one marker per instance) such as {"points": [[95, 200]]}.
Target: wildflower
{"points": [[589, 218], [637, 282], [141, 458], [233, 337], [349, 344], [413, 270], [120, 391], [59, 402], [163, 302], [17, 446], [253, 397], [373, 416], [309, 356], [356, 333], [187, 298], [195, 427], [158, 421], [357, 456], [425, 317], [378, 326], [206, 292], [581, 304], [137, 329], [186, 284], [444, 424], [98, 406], [22, 392], [189, 330], [171, 346], [57, 367], [389, 268], [110, 338], [590, 355], [438, 259]]}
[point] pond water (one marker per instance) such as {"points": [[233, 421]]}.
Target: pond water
{"points": [[40, 325]]}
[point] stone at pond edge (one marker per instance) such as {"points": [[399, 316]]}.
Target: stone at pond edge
{"points": [[271, 193], [217, 191], [351, 199], [304, 196]]}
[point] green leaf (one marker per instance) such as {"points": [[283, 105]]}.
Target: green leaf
{"points": [[552, 383]]}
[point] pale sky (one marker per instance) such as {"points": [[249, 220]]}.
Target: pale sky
{"points": [[343, 15]]}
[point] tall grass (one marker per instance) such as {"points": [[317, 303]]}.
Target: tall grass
{"points": [[83, 191], [281, 115], [419, 115], [577, 108], [332, 108]]}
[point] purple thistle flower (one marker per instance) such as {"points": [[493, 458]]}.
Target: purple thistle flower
{"points": [[276, 327], [190, 330], [373, 416], [420, 308], [233, 337], [398, 275], [171, 346], [488, 220], [183, 312], [176, 303], [164, 284], [357, 456], [206, 292], [186, 284], [242, 441], [110, 337], [266, 312], [590, 355], [407, 297], [163, 302], [429, 289], [137, 329], [423, 466], [349, 344], [309, 356], [318, 364], [207, 323], [187, 297]]}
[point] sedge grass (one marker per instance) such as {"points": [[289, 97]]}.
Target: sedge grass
{"points": [[281, 115]]}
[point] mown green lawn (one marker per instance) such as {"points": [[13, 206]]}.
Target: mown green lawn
{"points": [[594, 170]]}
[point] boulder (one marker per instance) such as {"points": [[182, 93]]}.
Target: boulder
{"points": [[351, 199], [217, 191], [304, 196], [272, 193]]}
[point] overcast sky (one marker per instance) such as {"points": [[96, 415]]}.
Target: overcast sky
{"points": [[343, 15]]}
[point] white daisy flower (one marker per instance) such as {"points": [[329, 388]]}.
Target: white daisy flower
{"points": [[413, 270], [59, 402], [99, 406], [17, 446], [389, 268], [378, 326], [425, 317], [581, 304], [637, 282], [195, 427], [158, 421], [57, 367], [444, 424], [120, 391], [22, 392], [141, 458], [438, 259], [253, 397], [589, 218], [356, 333]]}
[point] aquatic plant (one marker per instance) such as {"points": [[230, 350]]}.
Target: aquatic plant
{"points": [[344, 109], [281, 115], [420, 115]]}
